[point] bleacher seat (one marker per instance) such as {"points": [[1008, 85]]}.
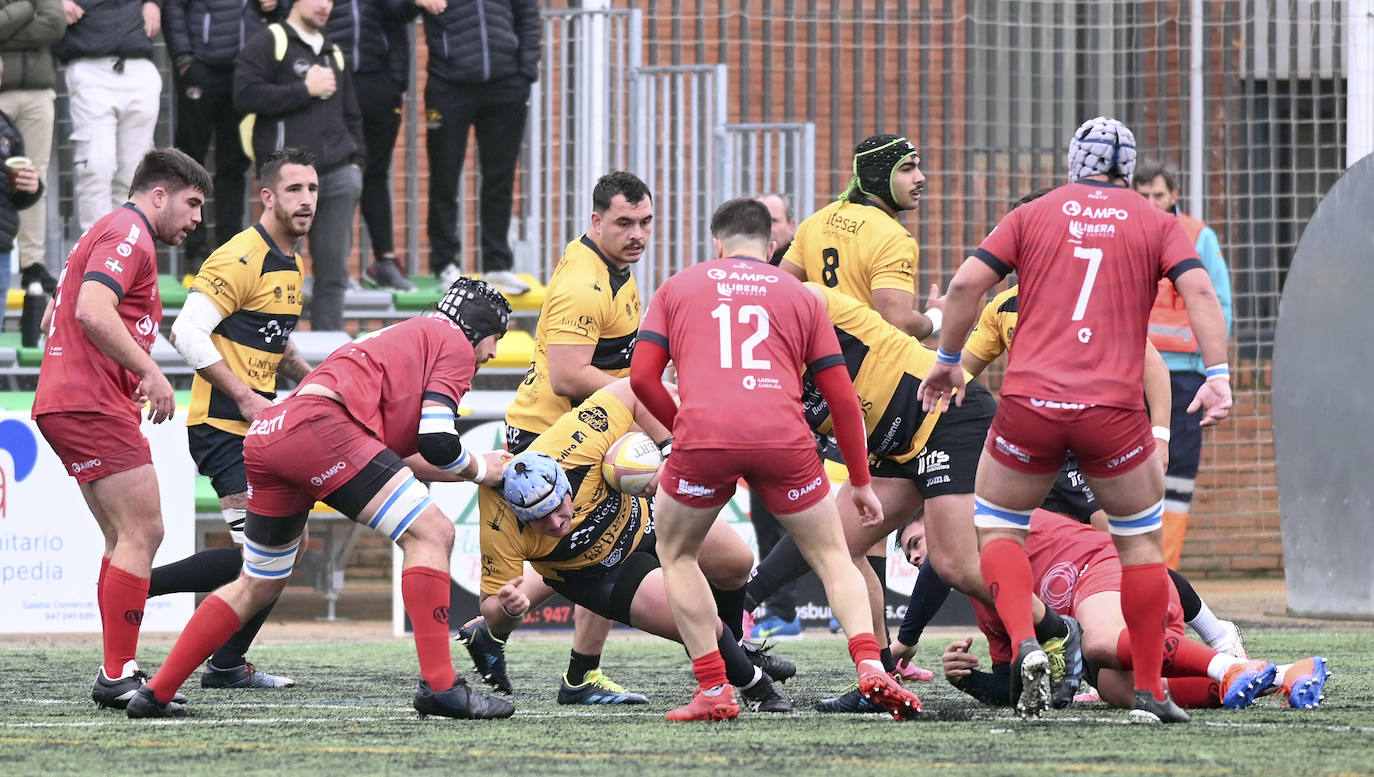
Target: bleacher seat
{"points": [[315, 346], [514, 351], [427, 292], [173, 291]]}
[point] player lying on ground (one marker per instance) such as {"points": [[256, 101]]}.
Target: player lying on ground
{"points": [[360, 433], [1076, 568], [596, 545]]}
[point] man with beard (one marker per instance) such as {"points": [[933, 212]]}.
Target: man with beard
{"points": [[234, 331]]}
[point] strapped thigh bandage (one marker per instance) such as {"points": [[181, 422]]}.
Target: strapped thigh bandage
{"points": [[400, 509], [987, 515], [269, 562], [1146, 520]]}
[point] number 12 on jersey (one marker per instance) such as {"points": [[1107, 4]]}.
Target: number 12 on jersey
{"points": [[722, 315], [1094, 257]]}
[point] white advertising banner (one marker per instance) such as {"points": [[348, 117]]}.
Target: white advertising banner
{"points": [[50, 546]]}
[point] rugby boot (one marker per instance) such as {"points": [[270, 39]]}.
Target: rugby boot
{"points": [[1149, 710], [716, 703], [1030, 679], [144, 705], [597, 688], [116, 693], [763, 697], [1244, 681], [882, 690], [460, 701], [912, 673], [245, 676], [851, 700], [1304, 682], [775, 666], [1065, 655], [488, 654]]}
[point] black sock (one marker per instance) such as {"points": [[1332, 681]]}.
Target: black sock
{"points": [[579, 665], [739, 670], [730, 608], [235, 650], [927, 597], [1051, 626], [889, 663], [201, 573], [1192, 603], [783, 564], [879, 566]]}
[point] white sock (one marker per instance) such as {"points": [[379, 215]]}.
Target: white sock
{"points": [[758, 675], [1208, 626], [1216, 668]]}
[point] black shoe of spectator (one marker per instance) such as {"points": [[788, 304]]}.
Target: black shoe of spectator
{"points": [[37, 273], [386, 274]]}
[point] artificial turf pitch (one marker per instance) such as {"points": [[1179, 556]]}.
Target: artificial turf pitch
{"points": [[351, 715]]}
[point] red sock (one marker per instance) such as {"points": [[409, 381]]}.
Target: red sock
{"points": [[1185, 657], [1145, 604], [425, 591], [864, 647], [1007, 573], [100, 587], [122, 597], [710, 670], [213, 623], [1195, 691]]}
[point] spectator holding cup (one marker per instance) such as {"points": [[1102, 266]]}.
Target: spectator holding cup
{"points": [[19, 189]]}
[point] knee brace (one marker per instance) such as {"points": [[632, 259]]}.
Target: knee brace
{"points": [[400, 509], [269, 562], [1146, 520]]}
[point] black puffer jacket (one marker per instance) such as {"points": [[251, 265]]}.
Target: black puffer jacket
{"points": [[286, 113], [211, 31], [479, 41], [27, 34], [110, 28], [12, 144], [372, 34]]}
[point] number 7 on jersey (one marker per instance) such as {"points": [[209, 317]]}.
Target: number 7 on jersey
{"points": [[722, 314], [1094, 257]]}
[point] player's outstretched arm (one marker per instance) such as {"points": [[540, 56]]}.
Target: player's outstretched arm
{"points": [[963, 301], [98, 316], [961, 671], [1159, 395], [835, 386], [646, 380]]}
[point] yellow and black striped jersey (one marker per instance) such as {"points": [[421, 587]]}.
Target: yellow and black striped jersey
{"points": [[855, 247], [886, 366], [589, 302], [606, 526], [258, 290], [991, 336]]}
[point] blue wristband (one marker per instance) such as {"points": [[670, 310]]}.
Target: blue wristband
{"points": [[1222, 370], [945, 357]]}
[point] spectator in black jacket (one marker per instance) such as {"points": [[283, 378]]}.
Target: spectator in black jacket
{"points": [[204, 38], [16, 194], [27, 96], [114, 90], [483, 57], [304, 97], [375, 40]]}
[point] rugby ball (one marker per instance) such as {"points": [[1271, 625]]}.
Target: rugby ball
{"points": [[630, 464]]}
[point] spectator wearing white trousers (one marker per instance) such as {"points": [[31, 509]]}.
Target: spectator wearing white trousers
{"points": [[115, 89]]}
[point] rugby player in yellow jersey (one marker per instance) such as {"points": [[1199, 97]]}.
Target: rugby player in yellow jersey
{"points": [[856, 245], [595, 545], [235, 330], [583, 341]]}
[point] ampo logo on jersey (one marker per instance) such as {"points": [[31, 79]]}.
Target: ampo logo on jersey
{"points": [[715, 274], [1072, 208]]}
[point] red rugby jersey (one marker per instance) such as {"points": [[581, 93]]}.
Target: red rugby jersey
{"points": [[740, 331], [120, 252], [1088, 258], [385, 376]]}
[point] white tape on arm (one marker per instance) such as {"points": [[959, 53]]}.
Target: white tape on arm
{"points": [[191, 331]]}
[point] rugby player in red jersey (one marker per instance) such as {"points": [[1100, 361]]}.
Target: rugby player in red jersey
{"points": [[1088, 257], [360, 433], [97, 374], [740, 332]]}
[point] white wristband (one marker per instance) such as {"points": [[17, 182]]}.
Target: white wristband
{"points": [[937, 317], [1220, 370], [1161, 433], [481, 473]]}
